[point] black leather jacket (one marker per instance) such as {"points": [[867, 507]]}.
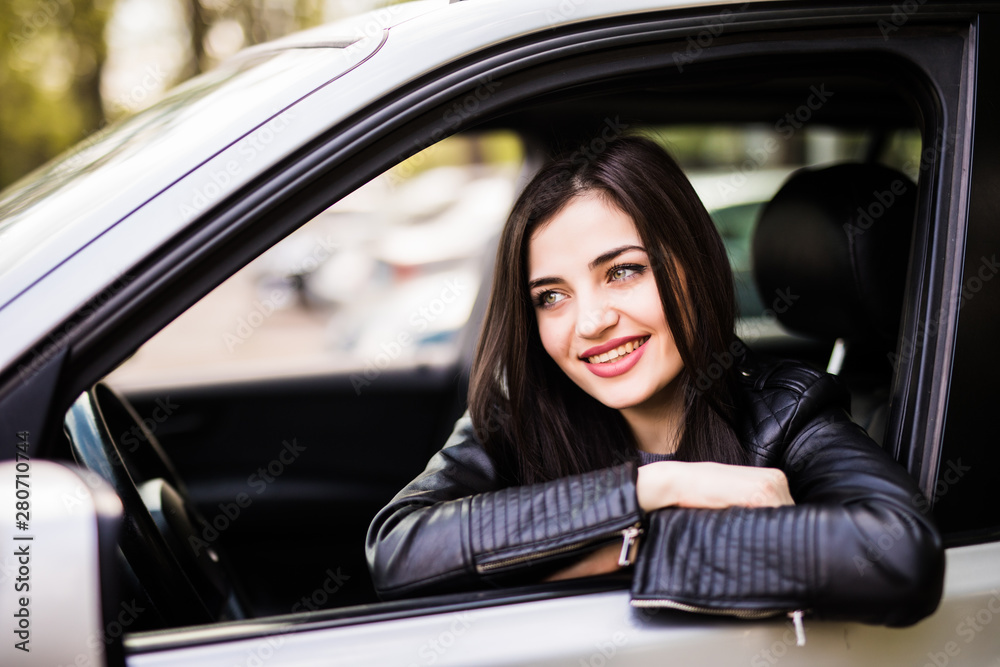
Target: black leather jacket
{"points": [[854, 547]]}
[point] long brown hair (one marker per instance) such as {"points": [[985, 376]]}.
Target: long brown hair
{"points": [[534, 421]]}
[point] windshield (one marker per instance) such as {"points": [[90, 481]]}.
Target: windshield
{"points": [[124, 165]]}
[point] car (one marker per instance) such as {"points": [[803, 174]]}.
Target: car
{"points": [[211, 309]]}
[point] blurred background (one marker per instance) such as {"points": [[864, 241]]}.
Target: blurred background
{"points": [[69, 67]]}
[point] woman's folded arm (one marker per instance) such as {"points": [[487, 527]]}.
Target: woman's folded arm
{"points": [[457, 527]]}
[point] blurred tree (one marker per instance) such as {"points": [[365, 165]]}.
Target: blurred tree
{"points": [[51, 54], [218, 28]]}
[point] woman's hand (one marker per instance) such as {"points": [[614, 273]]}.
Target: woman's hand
{"points": [[710, 485]]}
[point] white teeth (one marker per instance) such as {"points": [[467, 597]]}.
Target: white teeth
{"points": [[619, 351]]}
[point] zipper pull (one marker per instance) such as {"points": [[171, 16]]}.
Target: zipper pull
{"points": [[629, 545], [800, 630]]}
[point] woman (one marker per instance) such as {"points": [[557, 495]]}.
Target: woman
{"points": [[589, 447]]}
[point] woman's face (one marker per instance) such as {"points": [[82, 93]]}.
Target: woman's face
{"points": [[599, 312]]}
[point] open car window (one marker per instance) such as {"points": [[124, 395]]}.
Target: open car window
{"points": [[319, 379], [384, 279], [388, 277]]}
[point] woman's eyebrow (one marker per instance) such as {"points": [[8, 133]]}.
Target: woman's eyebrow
{"points": [[547, 280], [606, 257]]}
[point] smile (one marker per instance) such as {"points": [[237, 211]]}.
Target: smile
{"points": [[616, 361], [618, 352]]}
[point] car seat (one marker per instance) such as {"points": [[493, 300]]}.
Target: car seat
{"points": [[837, 239]]}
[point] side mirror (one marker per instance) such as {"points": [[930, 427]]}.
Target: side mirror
{"points": [[58, 535]]}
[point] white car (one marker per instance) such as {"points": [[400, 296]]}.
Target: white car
{"points": [[205, 502]]}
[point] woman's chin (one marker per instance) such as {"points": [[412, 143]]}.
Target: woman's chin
{"points": [[621, 400], [635, 397]]}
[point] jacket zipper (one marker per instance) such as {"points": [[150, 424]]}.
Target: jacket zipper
{"points": [[749, 614], [630, 544]]}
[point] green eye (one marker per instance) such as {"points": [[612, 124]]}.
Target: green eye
{"points": [[624, 271], [549, 298]]}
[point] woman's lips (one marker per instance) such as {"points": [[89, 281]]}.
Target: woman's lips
{"points": [[619, 347], [612, 344], [622, 364]]}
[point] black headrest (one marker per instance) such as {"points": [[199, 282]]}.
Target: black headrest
{"points": [[834, 243]]}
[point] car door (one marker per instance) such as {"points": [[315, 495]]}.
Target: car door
{"points": [[940, 397]]}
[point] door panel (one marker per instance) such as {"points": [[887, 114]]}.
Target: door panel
{"points": [[290, 473]]}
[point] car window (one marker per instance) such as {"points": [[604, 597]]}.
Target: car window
{"points": [[736, 169], [387, 277]]}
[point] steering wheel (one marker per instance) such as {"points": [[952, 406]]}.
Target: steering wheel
{"points": [[187, 579]]}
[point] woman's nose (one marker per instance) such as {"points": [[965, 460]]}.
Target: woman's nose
{"points": [[593, 321]]}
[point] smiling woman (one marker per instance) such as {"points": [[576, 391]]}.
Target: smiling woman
{"points": [[753, 496]]}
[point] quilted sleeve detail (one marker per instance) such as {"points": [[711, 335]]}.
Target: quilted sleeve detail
{"points": [[455, 527], [539, 519], [730, 560]]}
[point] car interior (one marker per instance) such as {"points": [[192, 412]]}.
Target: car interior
{"points": [[288, 463]]}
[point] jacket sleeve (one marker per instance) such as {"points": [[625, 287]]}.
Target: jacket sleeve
{"points": [[856, 546], [456, 527]]}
